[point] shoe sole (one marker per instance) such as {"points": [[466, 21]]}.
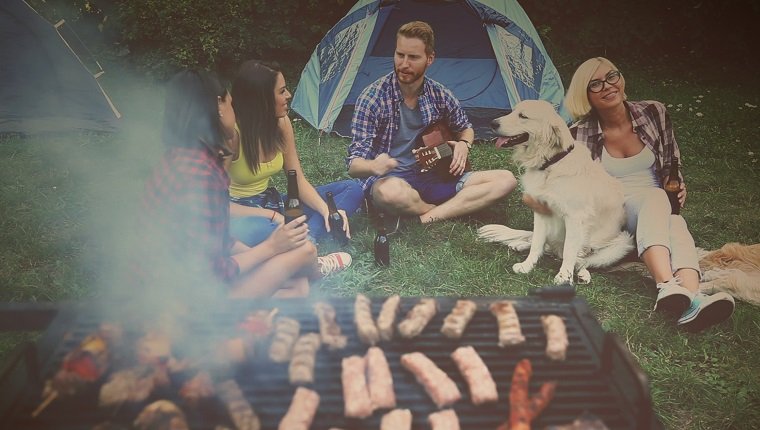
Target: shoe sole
{"points": [[713, 314], [674, 305]]}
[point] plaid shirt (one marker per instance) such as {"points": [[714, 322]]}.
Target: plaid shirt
{"points": [[377, 117], [651, 123], [186, 216]]}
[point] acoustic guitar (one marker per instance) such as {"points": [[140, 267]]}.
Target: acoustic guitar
{"points": [[433, 152]]}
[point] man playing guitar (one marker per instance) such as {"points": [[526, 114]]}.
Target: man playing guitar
{"points": [[392, 118]]}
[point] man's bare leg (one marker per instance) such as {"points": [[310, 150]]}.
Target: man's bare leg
{"points": [[395, 196], [481, 190]]}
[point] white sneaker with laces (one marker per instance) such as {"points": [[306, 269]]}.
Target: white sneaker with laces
{"points": [[706, 311], [672, 298], [332, 263]]}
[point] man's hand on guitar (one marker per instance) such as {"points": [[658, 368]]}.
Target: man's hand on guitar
{"points": [[459, 159], [383, 164]]}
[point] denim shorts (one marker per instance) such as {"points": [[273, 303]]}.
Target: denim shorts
{"points": [[431, 187]]}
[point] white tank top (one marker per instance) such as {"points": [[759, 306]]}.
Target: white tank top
{"points": [[633, 172]]}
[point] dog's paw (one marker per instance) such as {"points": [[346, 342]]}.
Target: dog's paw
{"points": [[522, 267], [584, 277], [519, 246], [563, 277]]}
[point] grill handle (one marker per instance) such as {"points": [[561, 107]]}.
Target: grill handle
{"points": [[614, 351], [31, 316], [21, 369]]}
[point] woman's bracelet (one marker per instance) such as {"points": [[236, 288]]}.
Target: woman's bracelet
{"points": [[273, 215]]}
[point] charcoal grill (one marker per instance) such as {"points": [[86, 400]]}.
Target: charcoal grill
{"points": [[599, 375]]}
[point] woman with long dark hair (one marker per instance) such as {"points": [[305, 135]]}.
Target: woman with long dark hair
{"points": [[185, 210], [265, 146]]}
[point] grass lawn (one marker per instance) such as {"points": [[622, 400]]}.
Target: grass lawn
{"points": [[67, 199]]}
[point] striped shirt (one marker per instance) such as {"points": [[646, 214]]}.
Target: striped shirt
{"points": [[651, 123], [185, 219], [376, 117]]}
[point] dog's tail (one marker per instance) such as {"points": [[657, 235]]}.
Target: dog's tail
{"points": [[503, 234], [612, 252]]}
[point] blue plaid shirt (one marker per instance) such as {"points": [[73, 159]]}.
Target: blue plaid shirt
{"points": [[651, 123], [376, 117]]}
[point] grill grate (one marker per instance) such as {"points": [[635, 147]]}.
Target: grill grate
{"points": [[598, 375]]}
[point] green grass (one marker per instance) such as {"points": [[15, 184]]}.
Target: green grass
{"points": [[67, 202]]}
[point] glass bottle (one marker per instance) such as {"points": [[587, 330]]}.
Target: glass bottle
{"points": [[335, 220], [673, 187], [382, 246], [293, 207]]}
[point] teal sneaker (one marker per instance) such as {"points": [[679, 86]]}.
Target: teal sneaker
{"points": [[672, 298], [706, 311]]}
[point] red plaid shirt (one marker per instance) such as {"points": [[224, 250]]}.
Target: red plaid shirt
{"points": [[185, 218]]}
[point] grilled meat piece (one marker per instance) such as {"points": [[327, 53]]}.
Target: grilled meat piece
{"points": [[397, 419], [357, 402], [436, 382], [241, 412], [302, 409], [301, 370], [456, 321], [417, 318], [477, 375], [161, 415], [365, 325], [556, 337], [444, 420], [286, 332], [129, 385], [386, 319], [328, 327], [509, 324], [379, 379]]}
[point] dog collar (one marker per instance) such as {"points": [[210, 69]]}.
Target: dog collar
{"points": [[558, 156]]}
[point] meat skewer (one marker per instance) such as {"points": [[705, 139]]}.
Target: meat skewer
{"points": [[241, 412], [286, 332], [523, 409], [365, 325], [556, 337], [84, 365], [328, 327], [356, 399], [436, 382], [132, 385], [509, 324], [302, 409], [444, 420], [387, 317], [301, 370], [417, 318], [397, 419], [380, 380], [200, 386], [477, 375], [161, 415], [256, 326], [456, 321]]}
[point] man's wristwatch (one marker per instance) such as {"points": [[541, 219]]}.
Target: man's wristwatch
{"points": [[469, 145]]}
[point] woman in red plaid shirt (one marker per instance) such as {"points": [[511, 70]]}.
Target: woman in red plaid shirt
{"points": [[185, 217]]}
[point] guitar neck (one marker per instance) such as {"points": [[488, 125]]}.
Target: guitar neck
{"points": [[444, 150]]}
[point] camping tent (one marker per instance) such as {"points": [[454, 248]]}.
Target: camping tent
{"points": [[487, 53], [44, 87]]}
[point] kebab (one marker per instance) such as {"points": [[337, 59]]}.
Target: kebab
{"points": [[241, 412], [356, 398], [286, 332], [161, 415], [556, 337], [132, 385], [328, 327], [417, 318], [444, 420], [387, 317], [524, 409], [436, 382], [302, 409], [379, 379], [256, 326], [397, 419], [365, 325], [301, 370], [477, 375], [456, 321], [82, 366], [509, 324]]}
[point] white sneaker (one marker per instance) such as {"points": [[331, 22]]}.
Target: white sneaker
{"points": [[672, 298], [332, 263], [706, 311]]}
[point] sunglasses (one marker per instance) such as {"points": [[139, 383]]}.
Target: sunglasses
{"points": [[597, 85]]}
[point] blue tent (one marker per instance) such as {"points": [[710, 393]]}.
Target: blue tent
{"points": [[487, 52]]}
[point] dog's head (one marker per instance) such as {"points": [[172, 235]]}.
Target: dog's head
{"points": [[535, 130]]}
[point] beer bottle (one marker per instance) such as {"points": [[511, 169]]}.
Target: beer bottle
{"points": [[673, 187], [293, 207], [382, 247], [336, 221]]}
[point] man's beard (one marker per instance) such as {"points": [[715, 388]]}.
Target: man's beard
{"points": [[409, 78]]}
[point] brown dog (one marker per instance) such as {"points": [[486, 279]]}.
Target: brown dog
{"points": [[735, 269]]}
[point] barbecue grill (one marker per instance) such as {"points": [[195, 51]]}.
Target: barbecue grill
{"points": [[599, 374]]}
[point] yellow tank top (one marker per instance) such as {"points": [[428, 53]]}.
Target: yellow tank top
{"points": [[243, 183]]}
